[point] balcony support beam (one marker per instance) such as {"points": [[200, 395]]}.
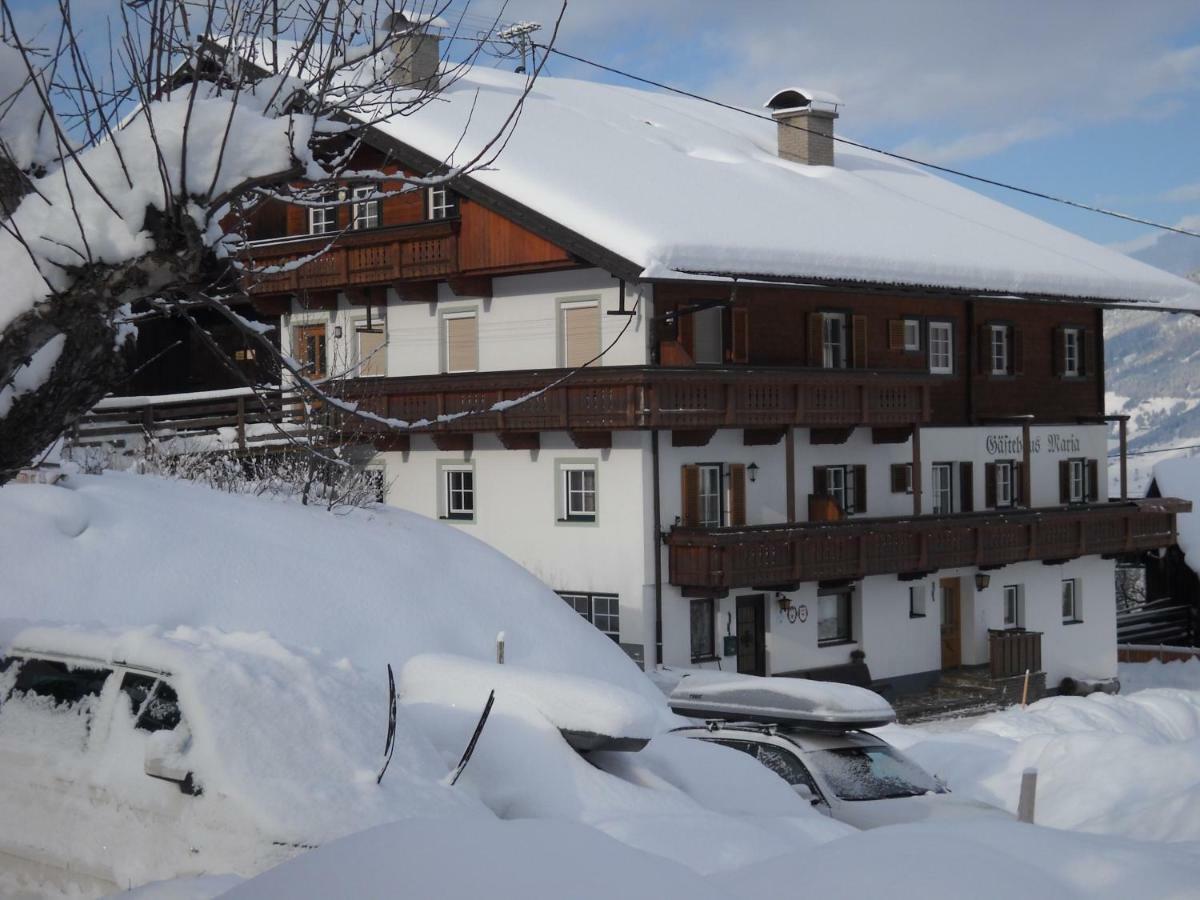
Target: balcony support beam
{"points": [[830, 435], [762, 437], [521, 440], [692, 438], [447, 441], [591, 440]]}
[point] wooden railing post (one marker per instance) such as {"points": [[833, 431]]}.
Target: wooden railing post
{"points": [[241, 423]]}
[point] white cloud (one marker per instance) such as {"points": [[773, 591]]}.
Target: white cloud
{"points": [[981, 143]]}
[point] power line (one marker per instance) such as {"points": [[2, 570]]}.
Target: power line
{"points": [[900, 156], [1155, 450]]}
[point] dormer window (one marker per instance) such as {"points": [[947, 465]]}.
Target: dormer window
{"points": [[443, 203], [365, 212], [323, 219]]}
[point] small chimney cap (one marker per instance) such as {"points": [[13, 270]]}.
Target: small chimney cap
{"points": [[413, 21], [793, 99]]}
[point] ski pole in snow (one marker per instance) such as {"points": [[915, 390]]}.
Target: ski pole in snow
{"points": [[1028, 796], [390, 744], [466, 757], [500, 648]]}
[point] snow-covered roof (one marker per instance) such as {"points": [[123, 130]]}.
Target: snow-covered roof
{"points": [[678, 187], [1180, 477]]}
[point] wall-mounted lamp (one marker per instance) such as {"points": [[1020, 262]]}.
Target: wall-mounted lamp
{"points": [[982, 580], [752, 471], [337, 332], [784, 601]]}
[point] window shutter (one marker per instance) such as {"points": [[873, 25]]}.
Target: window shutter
{"points": [[966, 486], [820, 486], [989, 485], [741, 334], [689, 495], [1085, 350], [1058, 350], [1016, 352], [1093, 483], [580, 334], [737, 494], [462, 344], [1018, 485], [899, 478], [858, 334], [1064, 481], [860, 489], [895, 334], [814, 340], [983, 349]]}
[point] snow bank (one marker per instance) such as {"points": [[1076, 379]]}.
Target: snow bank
{"points": [[1181, 478], [1125, 765]]}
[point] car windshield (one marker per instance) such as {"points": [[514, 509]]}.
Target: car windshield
{"points": [[871, 773]]}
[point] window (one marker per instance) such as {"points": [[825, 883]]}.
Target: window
{"points": [[912, 334], [443, 203], [602, 610], [902, 478], [152, 702], [460, 493], [461, 334], [1071, 612], [916, 601], [846, 485], [364, 212], [833, 617], [785, 764], [1004, 483], [941, 348], [370, 349], [704, 643], [1071, 344], [833, 340], [1077, 480], [57, 681], [323, 219], [308, 346], [943, 489], [1001, 356], [578, 492], [712, 495], [580, 333], [1014, 607]]}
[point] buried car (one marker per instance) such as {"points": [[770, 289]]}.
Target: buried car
{"points": [[811, 735]]}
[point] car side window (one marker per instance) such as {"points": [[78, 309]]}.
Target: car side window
{"points": [[153, 703], [57, 681], [786, 766], [744, 746]]}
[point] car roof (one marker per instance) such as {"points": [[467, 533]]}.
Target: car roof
{"points": [[805, 739]]}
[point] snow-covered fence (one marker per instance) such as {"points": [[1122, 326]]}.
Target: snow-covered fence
{"points": [[1163, 621]]}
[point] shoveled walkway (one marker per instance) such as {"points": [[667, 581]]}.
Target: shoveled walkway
{"points": [[960, 693]]}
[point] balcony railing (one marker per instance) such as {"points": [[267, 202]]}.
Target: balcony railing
{"points": [[766, 555], [377, 256], [647, 397], [1014, 652]]}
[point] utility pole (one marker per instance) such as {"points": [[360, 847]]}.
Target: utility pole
{"points": [[520, 36]]}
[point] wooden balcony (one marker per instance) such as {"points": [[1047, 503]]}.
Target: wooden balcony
{"points": [[719, 559], [631, 397], [1013, 652], [374, 257]]}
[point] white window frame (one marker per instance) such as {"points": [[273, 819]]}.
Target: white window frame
{"points": [[452, 507], [941, 358], [840, 485], [1077, 486], [443, 204], [845, 633], [446, 316], [1072, 340], [1013, 608], [1004, 483], [578, 303], [364, 213], [1001, 345], [912, 334], [937, 490], [323, 219], [917, 601], [602, 610], [833, 340], [1070, 601], [708, 495], [568, 514]]}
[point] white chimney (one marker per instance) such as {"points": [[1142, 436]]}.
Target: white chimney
{"points": [[416, 49], [805, 129]]}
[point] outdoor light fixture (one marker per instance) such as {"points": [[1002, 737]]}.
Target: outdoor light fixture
{"points": [[784, 601], [337, 332], [752, 471], [982, 580]]}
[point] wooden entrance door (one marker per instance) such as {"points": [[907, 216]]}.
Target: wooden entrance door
{"points": [[751, 635], [308, 349], [951, 595]]}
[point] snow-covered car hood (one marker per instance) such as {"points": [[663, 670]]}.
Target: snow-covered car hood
{"points": [[925, 808]]}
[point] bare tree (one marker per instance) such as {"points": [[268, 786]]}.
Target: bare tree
{"points": [[124, 183]]}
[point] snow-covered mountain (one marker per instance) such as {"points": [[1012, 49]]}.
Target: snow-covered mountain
{"points": [[1153, 366]]}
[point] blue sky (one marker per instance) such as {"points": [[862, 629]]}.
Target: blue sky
{"points": [[1097, 100]]}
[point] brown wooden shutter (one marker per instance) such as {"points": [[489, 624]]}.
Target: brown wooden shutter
{"points": [[1016, 358], [989, 485], [983, 350], [740, 326], [858, 335], [820, 486], [966, 486], [1018, 484], [815, 354], [1058, 350], [1085, 350], [462, 344], [737, 494], [372, 356], [1064, 481], [899, 478], [581, 334], [895, 334], [860, 489], [1093, 476], [689, 495]]}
